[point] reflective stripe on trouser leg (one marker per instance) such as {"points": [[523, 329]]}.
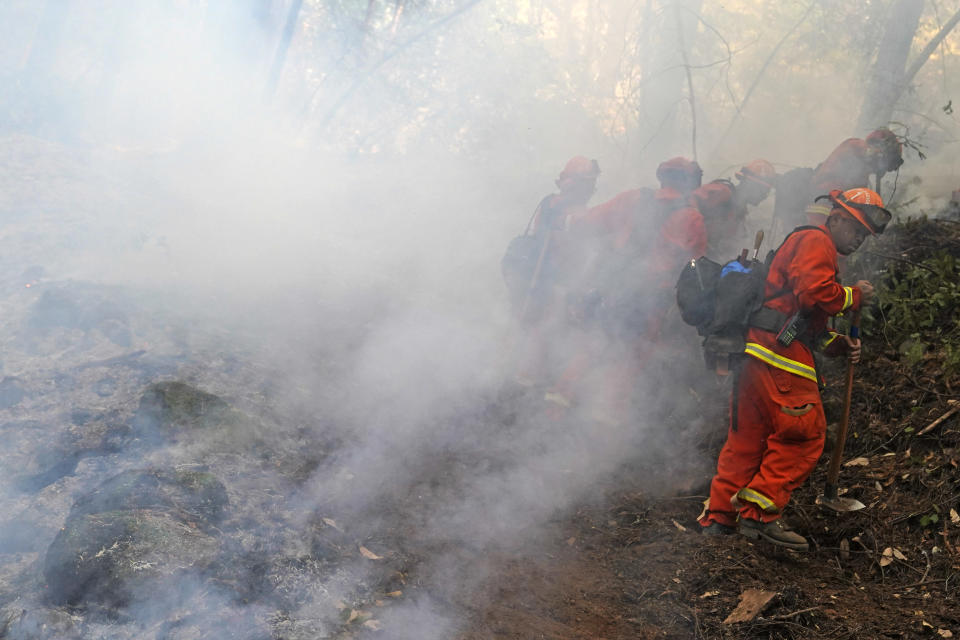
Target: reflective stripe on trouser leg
{"points": [[742, 453], [757, 498]]}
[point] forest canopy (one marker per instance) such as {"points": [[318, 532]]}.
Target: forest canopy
{"points": [[631, 82]]}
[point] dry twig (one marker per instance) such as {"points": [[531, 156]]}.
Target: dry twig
{"points": [[933, 425], [785, 616]]}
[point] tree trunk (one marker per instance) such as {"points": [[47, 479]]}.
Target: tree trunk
{"points": [[281, 55], [928, 50], [666, 78], [886, 81]]}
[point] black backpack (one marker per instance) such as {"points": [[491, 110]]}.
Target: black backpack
{"points": [[723, 301], [524, 254]]}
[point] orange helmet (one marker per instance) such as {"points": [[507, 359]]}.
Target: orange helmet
{"points": [[864, 205], [759, 171], [679, 173], [580, 167]]}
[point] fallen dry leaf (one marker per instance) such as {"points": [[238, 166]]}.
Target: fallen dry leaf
{"points": [[372, 624], [570, 541], [899, 555], [330, 522], [954, 517], [394, 594], [354, 614], [709, 594], [369, 555], [857, 462], [887, 557], [945, 633], [678, 525]]}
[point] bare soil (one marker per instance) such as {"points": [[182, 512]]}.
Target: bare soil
{"points": [[637, 567]]}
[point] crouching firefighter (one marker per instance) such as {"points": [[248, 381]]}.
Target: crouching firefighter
{"points": [[777, 425]]}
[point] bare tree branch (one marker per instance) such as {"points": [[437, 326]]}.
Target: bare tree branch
{"points": [[729, 58], [691, 97], [928, 50], [763, 70], [362, 77]]}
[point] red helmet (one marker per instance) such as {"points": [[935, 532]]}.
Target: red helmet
{"points": [[679, 173], [882, 136], [889, 145], [864, 205], [580, 167], [759, 171]]}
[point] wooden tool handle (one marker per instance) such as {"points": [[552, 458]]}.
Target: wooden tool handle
{"points": [[757, 241], [833, 471]]}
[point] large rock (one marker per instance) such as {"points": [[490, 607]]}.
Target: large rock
{"points": [[114, 557], [169, 407], [135, 533], [196, 495], [171, 410]]}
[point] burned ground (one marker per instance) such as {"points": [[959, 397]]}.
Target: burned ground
{"points": [[440, 530]]}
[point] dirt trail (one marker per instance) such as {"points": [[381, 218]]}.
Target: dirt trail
{"points": [[638, 567]]}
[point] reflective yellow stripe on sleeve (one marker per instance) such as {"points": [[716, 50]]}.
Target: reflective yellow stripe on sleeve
{"points": [[757, 498], [557, 398], [847, 298], [819, 209], [775, 360]]}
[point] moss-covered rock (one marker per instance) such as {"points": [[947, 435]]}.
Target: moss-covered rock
{"points": [[114, 557], [168, 407], [176, 410], [133, 533]]}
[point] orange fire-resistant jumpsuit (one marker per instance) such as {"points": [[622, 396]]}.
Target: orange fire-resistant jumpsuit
{"points": [[777, 422], [723, 216], [646, 262]]}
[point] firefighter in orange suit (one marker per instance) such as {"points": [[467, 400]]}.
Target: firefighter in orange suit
{"points": [[543, 300], [777, 422], [851, 164], [641, 238], [724, 204]]}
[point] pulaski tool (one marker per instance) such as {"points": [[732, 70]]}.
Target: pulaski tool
{"points": [[830, 498]]}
